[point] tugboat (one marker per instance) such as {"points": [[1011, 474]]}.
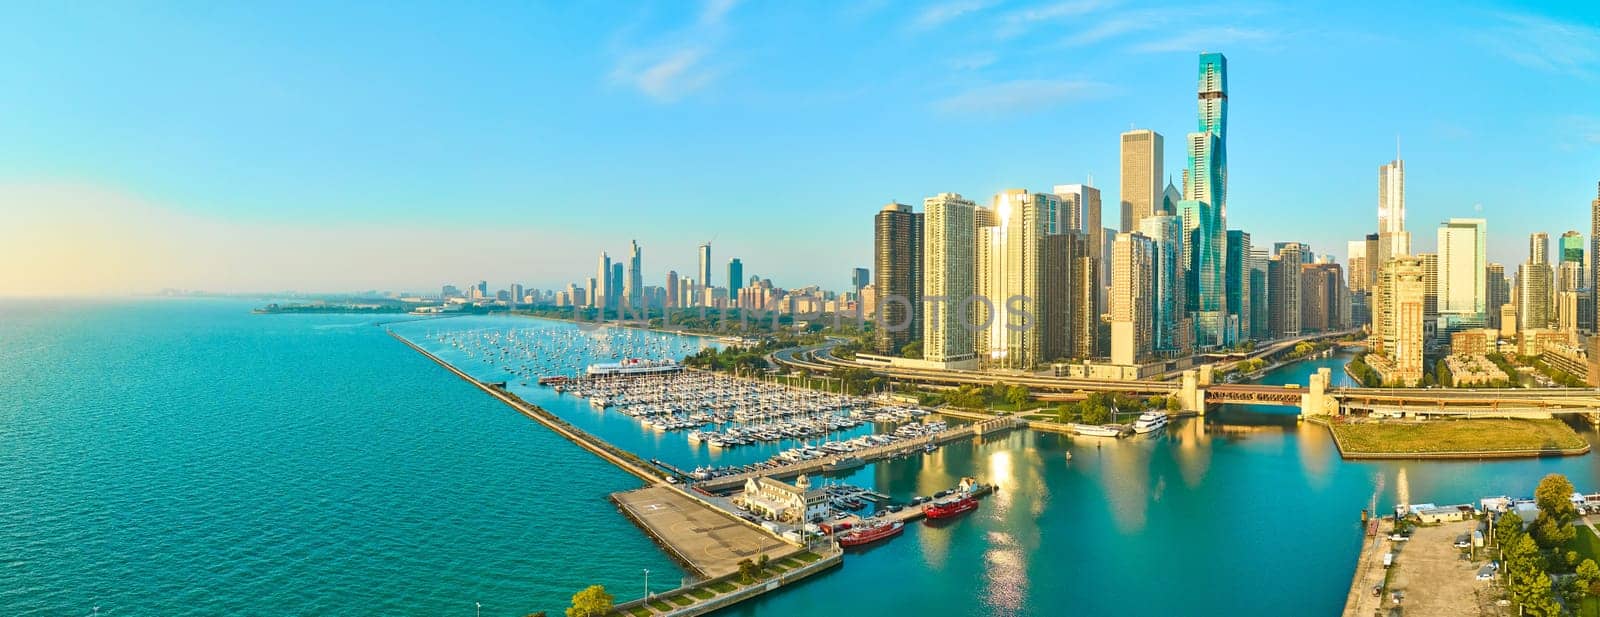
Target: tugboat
{"points": [[953, 505], [868, 535]]}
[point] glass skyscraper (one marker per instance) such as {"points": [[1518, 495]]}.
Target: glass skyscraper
{"points": [[1205, 205]]}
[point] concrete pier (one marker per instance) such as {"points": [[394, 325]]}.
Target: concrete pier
{"points": [[708, 540]]}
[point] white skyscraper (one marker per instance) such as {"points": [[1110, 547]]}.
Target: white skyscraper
{"points": [[949, 273], [1393, 238], [1463, 263]]}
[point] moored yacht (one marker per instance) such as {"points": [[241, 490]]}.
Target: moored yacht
{"points": [[1150, 422]]}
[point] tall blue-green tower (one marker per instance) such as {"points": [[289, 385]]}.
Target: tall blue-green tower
{"points": [[1205, 205]]}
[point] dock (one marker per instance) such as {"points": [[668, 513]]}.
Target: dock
{"points": [[709, 540], [993, 425]]}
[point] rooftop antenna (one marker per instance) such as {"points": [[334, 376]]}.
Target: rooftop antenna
{"points": [[1396, 146]]}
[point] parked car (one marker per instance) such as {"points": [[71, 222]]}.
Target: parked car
{"points": [[1463, 541]]}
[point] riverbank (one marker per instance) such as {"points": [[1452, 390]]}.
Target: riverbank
{"points": [[1476, 438]]}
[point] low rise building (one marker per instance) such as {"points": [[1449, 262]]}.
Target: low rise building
{"points": [[776, 500], [1473, 370]]}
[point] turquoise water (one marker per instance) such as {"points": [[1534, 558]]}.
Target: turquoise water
{"points": [[187, 458]]}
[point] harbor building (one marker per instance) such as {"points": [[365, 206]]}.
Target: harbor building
{"points": [[897, 249], [776, 500], [949, 274], [1142, 154]]}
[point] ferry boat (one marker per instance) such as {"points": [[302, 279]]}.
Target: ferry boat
{"points": [[634, 366], [1150, 422], [868, 535], [1095, 430], [950, 506]]}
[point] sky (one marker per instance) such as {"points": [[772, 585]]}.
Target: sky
{"points": [[400, 146]]}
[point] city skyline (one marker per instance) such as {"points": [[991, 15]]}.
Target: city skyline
{"points": [[107, 202]]}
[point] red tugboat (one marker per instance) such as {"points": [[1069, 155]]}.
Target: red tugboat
{"points": [[868, 535], [953, 505]]}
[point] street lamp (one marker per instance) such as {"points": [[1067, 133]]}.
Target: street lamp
{"points": [[480, 608]]}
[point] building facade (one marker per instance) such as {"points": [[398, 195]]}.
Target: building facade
{"points": [[949, 274], [1132, 296], [897, 251], [1142, 154]]}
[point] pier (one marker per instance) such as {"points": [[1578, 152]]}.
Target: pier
{"points": [[731, 482], [709, 540]]}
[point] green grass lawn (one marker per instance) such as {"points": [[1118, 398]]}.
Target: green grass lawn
{"points": [[661, 607], [723, 587], [1584, 542], [807, 556], [1475, 435], [681, 600], [702, 593], [640, 611]]}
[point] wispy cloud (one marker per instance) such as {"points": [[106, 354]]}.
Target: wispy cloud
{"points": [[1021, 96], [940, 14], [974, 62], [680, 62], [1204, 38], [1020, 21], [1545, 44]]}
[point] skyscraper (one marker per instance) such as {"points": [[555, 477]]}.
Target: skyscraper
{"points": [[1572, 247], [1208, 159], [1397, 335], [1594, 260], [1463, 291], [860, 277], [1132, 295], [1142, 153], [1392, 236], [1170, 198], [735, 279], [1260, 308], [1204, 257], [1534, 288], [1081, 212], [1321, 294], [1167, 301], [705, 266], [1237, 284], [1283, 290], [897, 247], [1497, 292], [949, 271], [672, 290], [633, 289], [1011, 275], [603, 295], [614, 300]]}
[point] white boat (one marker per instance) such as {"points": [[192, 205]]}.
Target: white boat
{"points": [[1096, 430], [634, 366], [599, 402], [1150, 422]]}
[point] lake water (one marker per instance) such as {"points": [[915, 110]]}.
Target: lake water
{"points": [[188, 458]]}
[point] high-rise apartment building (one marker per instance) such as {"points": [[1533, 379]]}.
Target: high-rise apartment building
{"points": [[1283, 290], [1260, 309], [1081, 210], [949, 257], [1142, 153], [614, 301], [1321, 297], [1237, 285], [735, 279], [1497, 291], [1167, 306], [1535, 289], [1594, 260], [1012, 276], [860, 277], [897, 247], [1463, 288], [1571, 244], [1132, 295], [1208, 160], [671, 299], [1397, 336]]}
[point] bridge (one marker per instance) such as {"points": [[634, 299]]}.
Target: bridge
{"points": [[1196, 391]]}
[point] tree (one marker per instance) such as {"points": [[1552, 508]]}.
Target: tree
{"points": [[1526, 579], [1173, 404], [1018, 396], [748, 571], [1094, 411], [912, 349], [1589, 577], [1507, 528], [591, 602], [1441, 373], [1553, 528]]}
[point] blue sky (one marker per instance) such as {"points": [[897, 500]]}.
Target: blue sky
{"points": [[512, 141]]}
